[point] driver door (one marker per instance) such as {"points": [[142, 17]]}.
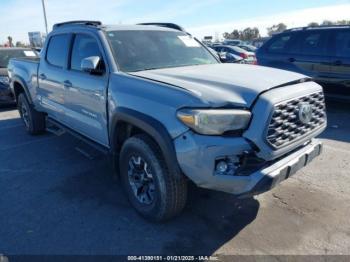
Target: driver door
{"points": [[86, 93]]}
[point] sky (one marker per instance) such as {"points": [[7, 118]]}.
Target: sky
{"points": [[199, 17]]}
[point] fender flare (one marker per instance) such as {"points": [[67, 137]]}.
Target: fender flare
{"points": [[19, 80], [153, 128]]}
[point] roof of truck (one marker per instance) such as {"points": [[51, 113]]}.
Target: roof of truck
{"points": [[136, 27], [98, 25], [320, 27]]}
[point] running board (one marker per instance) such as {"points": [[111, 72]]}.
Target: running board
{"points": [[58, 129], [54, 129]]}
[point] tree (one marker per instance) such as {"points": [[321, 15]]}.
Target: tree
{"points": [[343, 22], [247, 34], [20, 44], [276, 29], [327, 22], [10, 41], [226, 35], [234, 35], [313, 24]]}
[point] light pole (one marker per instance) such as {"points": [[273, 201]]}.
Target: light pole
{"points": [[44, 9]]}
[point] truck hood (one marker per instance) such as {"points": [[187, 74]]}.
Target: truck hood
{"points": [[223, 84]]}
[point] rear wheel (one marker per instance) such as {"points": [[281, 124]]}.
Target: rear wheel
{"points": [[33, 120], [154, 192]]}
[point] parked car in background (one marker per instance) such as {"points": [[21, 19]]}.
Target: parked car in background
{"points": [[233, 42], [211, 50], [230, 58], [259, 41], [6, 54], [226, 57], [248, 57], [168, 112], [249, 48], [322, 53]]}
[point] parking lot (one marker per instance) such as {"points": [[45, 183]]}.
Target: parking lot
{"points": [[57, 200]]}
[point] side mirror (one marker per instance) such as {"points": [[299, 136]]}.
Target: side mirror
{"points": [[91, 64]]}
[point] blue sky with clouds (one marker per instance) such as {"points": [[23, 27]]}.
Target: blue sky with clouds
{"points": [[204, 17]]}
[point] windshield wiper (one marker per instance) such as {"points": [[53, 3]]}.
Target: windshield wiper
{"points": [[150, 68]]}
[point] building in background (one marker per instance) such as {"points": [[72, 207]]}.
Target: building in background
{"points": [[36, 39]]}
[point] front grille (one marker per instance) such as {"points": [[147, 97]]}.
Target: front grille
{"points": [[286, 127]]}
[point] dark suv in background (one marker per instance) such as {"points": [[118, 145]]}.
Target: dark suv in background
{"points": [[6, 96], [319, 52]]}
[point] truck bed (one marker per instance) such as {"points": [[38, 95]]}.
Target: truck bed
{"points": [[27, 69], [27, 59]]}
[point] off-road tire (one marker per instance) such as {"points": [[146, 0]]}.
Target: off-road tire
{"points": [[170, 193], [33, 120]]}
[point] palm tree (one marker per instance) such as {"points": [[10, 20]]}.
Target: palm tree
{"points": [[10, 41]]}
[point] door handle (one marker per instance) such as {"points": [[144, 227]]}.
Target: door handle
{"points": [[42, 76], [338, 63], [67, 84], [291, 59]]}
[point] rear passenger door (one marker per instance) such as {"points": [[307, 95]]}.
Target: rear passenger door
{"points": [[313, 57], [279, 52], [86, 93], [52, 72], [340, 63]]}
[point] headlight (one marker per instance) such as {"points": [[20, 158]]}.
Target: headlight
{"points": [[214, 121], [4, 80]]}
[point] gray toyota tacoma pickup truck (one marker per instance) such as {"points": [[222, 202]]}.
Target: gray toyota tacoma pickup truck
{"points": [[167, 111]]}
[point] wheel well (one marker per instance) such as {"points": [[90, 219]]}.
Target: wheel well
{"points": [[18, 89], [122, 132], [127, 122]]}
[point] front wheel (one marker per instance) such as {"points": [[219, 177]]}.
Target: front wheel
{"points": [[33, 120], [154, 192]]}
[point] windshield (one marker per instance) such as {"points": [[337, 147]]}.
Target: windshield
{"points": [[7, 54], [137, 50]]}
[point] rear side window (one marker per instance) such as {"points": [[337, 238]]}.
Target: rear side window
{"points": [[280, 44], [218, 49], [226, 50], [84, 46], [57, 51], [342, 42], [314, 43]]}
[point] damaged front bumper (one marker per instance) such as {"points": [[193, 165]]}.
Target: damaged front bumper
{"points": [[198, 159], [281, 170]]}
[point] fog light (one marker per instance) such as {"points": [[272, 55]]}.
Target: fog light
{"points": [[221, 167]]}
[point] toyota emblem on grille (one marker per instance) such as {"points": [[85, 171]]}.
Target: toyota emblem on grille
{"points": [[305, 113]]}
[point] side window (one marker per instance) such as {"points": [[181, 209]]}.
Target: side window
{"points": [[280, 44], [84, 46], [313, 43], [57, 51], [226, 50], [342, 42]]}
